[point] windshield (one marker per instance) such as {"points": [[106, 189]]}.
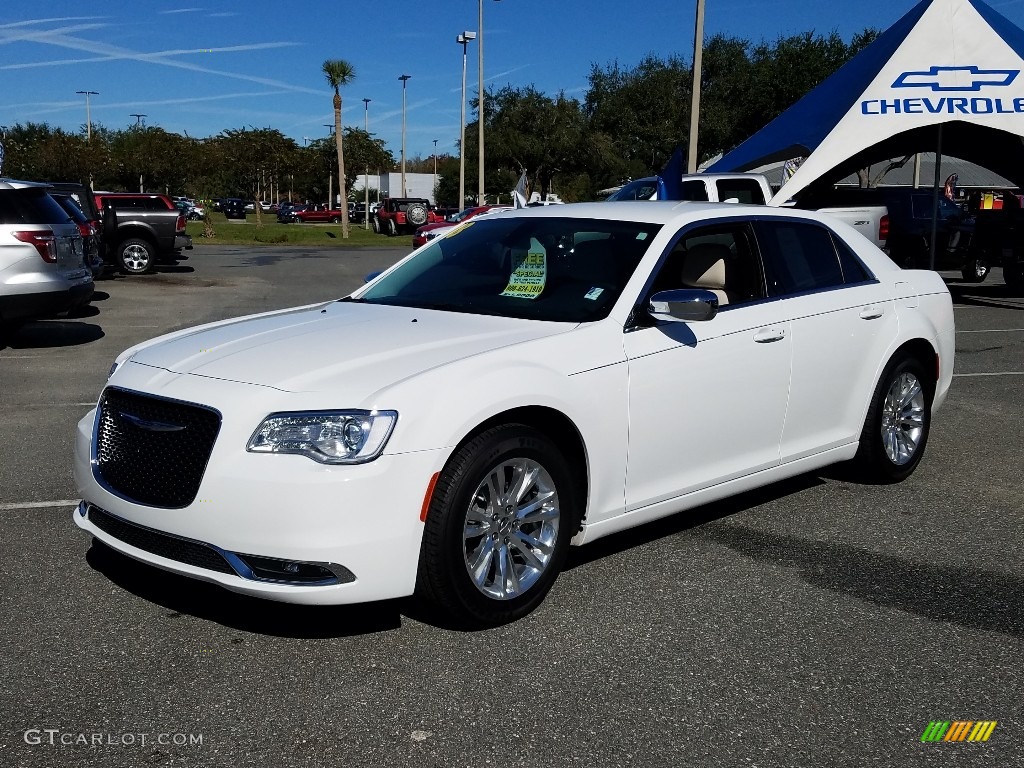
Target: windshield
{"points": [[560, 269], [641, 189]]}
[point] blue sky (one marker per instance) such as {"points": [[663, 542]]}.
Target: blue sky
{"points": [[200, 66]]}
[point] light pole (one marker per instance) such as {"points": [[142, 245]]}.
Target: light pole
{"points": [[138, 118], [463, 40], [481, 198], [366, 178], [698, 49], [435, 171], [330, 174], [88, 116], [403, 78]]}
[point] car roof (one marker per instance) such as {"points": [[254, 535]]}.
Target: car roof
{"points": [[15, 184], [658, 211]]}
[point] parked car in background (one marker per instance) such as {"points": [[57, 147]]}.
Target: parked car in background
{"points": [[191, 211], [233, 208], [428, 232], [141, 230], [317, 214], [88, 230], [539, 378], [42, 257], [286, 212], [403, 214]]}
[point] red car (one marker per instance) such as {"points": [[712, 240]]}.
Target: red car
{"points": [[423, 233], [318, 214]]}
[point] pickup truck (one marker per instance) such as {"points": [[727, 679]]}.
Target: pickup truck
{"points": [[140, 230], [872, 221]]}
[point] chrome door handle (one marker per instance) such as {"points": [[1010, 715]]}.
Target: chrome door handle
{"points": [[871, 313], [768, 335]]}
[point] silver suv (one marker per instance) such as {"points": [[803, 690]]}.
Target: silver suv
{"points": [[42, 266]]}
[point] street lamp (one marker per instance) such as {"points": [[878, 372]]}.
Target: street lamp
{"points": [[138, 118], [481, 199], [330, 174], [403, 78], [88, 117], [698, 49], [366, 178], [435, 171], [463, 40]]}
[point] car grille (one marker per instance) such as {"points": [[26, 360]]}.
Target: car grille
{"points": [[157, 543], [153, 451]]}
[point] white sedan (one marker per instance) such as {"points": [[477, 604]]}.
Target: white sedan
{"points": [[531, 381]]}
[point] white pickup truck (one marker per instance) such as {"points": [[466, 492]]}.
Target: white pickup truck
{"points": [[872, 221]]}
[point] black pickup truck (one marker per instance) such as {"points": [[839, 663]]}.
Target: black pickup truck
{"points": [[140, 230]]}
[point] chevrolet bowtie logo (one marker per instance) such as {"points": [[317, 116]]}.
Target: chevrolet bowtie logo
{"points": [[947, 78]]}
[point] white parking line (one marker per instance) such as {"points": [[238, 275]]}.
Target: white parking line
{"points": [[996, 373], [91, 403], [39, 504], [995, 330]]}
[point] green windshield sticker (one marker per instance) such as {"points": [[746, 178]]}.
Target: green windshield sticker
{"points": [[529, 277]]}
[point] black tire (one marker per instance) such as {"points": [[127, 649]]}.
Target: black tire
{"points": [[135, 256], [444, 578], [416, 214], [1013, 275], [975, 270], [335, 219], [874, 461], [392, 229], [375, 223]]}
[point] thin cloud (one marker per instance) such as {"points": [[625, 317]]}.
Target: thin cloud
{"points": [[181, 10], [49, 107], [149, 56], [61, 19], [117, 52]]}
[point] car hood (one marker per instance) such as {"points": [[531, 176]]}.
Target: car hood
{"points": [[341, 344]]}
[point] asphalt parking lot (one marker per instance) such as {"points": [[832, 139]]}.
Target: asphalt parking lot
{"points": [[816, 622]]}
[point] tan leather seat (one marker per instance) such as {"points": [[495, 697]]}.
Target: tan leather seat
{"points": [[707, 266]]}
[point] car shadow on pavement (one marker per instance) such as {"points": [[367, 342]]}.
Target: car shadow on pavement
{"points": [[994, 296], [966, 595], [188, 597], [690, 519], [44, 334]]}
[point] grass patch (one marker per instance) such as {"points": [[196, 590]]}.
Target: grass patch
{"points": [[272, 233]]}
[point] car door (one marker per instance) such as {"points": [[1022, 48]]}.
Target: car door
{"points": [[842, 322], [707, 400]]}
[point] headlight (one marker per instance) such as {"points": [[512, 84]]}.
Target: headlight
{"points": [[329, 437]]}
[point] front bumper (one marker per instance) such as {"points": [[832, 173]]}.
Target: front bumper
{"points": [[360, 520]]}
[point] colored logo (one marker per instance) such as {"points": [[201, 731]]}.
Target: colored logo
{"points": [[944, 78], [958, 730]]}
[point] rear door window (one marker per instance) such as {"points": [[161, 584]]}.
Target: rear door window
{"points": [[798, 257]]}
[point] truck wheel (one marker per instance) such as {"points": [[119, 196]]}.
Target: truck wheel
{"points": [[135, 256], [975, 270], [375, 223], [392, 229], [416, 214], [335, 219], [1013, 274]]}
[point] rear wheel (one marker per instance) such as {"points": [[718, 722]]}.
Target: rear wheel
{"points": [[896, 428], [135, 256], [335, 219], [1013, 274], [498, 526]]}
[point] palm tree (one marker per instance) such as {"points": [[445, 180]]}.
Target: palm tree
{"points": [[338, 73]]}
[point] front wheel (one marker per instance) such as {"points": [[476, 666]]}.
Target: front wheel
{"points": [[975, 270], [135, 256], [392, 229], [498, 526], [896, 428], [375, 223]]}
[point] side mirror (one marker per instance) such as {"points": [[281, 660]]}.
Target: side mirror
{"points": [[684, 305]]}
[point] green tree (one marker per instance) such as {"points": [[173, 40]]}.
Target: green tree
{"points": [[339, 73]]}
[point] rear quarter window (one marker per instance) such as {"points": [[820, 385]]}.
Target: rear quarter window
{"points": [[798, 257], [30, 206]]}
